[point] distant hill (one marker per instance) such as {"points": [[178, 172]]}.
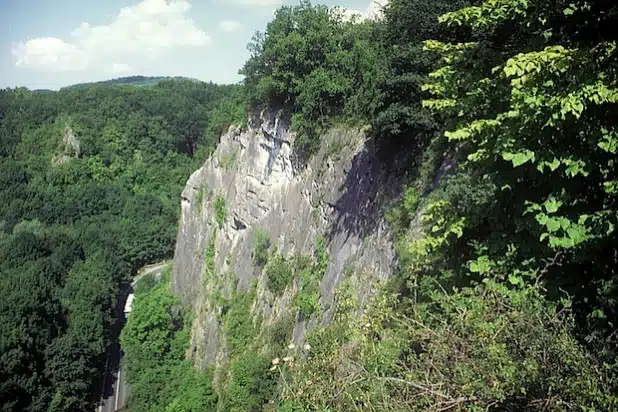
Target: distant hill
{"points": [[132, 80]]}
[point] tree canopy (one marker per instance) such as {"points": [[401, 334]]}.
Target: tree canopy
{"points": [[90, 179]]}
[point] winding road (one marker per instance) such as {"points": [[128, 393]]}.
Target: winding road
{"points": [[115, 389]]}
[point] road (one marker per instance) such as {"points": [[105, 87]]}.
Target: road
{"points": [[115, 389]]}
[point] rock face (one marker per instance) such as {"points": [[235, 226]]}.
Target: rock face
{"points": [[249, 184], [71, 148]]}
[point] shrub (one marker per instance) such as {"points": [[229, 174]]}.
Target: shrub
{"points": [[400, 215], [306, 300], [280, 334], [486, 347], [229, 160], [252, 384], [279, 274], [220, 210], [261, 245], [238, 323]]}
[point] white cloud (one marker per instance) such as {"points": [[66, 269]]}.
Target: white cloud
{"points": [[257, 3], [147, 29], [120, 68], [372, 12], [51, 54], [229, 25]]}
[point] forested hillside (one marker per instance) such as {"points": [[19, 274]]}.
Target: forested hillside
{"points": [[89, 184], [506, 292]]}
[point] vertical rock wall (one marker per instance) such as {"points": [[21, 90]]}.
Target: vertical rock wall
{"points": [[251, 173]]}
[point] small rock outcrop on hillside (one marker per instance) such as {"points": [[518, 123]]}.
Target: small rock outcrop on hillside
{"points": [[70, 148], [250, 185]]}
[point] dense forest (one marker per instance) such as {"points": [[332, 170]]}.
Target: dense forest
{"points": [[90, 180], [506, 301]]}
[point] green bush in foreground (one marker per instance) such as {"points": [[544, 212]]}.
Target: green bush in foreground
{"points": [[479, 348]]}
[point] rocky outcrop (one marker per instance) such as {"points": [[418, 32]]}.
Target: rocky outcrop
{"points": [[249, 184], [70, 148]]}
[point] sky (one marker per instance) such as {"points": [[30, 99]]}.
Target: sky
{"points": [[49, 44]]}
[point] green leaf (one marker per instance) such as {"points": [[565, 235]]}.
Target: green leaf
{"points": [[552, 225], [519, 158], [598, 313], [515, 280], [568, 11], [482, 265], [552, 205]]}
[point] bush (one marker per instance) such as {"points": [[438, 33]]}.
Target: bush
{"points": [[252, 384], [307, 299], [261, 245], [279, 274], [229, 160], [238, 323], [155, 341], [280, 334], [220, 210], [479, 348], [400, 216]]}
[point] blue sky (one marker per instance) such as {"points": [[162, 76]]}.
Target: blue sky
{"points": [[53, 43]]}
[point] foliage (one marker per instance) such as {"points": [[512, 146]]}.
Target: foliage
{"points": [[400, 215], [279, 274], [155, 341], [220, 210], [251, 384], [229, 160], [398, 117], [478, 317], [306, 301], [261, 245], [238, 324], [476, 348], [280, 334], [89, 182], [506, 292], [534, 119], [202, 192], [316, 62], [209, 271]]}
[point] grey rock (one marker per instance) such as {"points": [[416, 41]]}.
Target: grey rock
{"points": [[335, 196]]}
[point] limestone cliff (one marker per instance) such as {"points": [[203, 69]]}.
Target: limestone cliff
{"points": [[252, 182]]}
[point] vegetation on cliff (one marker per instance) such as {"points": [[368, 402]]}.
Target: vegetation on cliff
{"points": [[505, 300]]}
